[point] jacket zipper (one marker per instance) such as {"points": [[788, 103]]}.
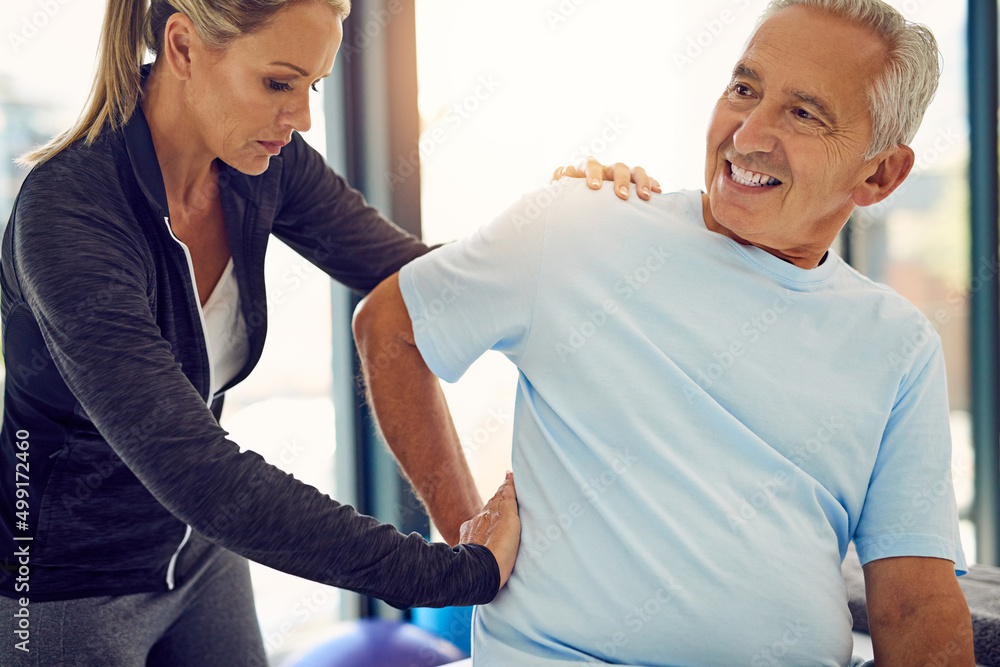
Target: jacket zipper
{"points": [[172, 565], [201, 313]]}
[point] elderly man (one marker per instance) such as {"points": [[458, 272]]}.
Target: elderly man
{"points": [[711, 405]]}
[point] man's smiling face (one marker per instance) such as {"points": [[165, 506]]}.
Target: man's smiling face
{"points": [[787, 139]]}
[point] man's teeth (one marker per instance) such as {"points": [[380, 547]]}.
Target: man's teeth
{"points": [[745, 177]]}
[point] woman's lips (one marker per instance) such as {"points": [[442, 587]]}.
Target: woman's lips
{"points": [[272, 147]]}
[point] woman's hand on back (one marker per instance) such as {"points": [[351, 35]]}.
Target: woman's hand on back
{"points": [[497, 527]]}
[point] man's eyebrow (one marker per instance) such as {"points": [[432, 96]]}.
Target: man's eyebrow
{"points": [[744, 71], [817, 104]]}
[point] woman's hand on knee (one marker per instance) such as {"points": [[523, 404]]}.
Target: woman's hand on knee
{"points": [[497, 527]]}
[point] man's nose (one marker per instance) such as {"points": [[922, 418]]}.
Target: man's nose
{"points": [[758, 131]]}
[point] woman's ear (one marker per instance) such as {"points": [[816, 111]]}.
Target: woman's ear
{"points": [[891, 170], [178, 37]]}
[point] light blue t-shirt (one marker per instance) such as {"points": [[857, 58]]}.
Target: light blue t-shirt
{"points": [[700, 430]]}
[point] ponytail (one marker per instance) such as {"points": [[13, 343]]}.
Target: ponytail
{"points": [[117, 85]]}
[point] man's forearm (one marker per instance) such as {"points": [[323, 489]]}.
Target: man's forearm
{"points": [[412, 413]]}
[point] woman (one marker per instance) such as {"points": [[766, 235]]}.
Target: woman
{"points": [[133, 297]]}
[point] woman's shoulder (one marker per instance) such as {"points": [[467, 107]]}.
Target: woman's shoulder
{"points": [[83, 180], [80, 168]]}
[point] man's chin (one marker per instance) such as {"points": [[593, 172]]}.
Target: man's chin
{"points": [[735, 222], [719, 214]]}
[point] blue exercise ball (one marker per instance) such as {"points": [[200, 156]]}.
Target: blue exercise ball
{"points": [[379, 643]]}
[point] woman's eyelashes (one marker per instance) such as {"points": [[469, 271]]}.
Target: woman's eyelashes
{"points": [[282, 87]]}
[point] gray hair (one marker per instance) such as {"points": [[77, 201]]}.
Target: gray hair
{"points": [[899, 96]]}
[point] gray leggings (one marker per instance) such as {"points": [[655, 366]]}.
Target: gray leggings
{"points": [[208, 620]]}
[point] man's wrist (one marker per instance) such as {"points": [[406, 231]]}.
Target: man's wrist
{"points": [[451, 526]]}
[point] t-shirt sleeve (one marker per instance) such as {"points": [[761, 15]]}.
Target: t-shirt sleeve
{"points": [[478, 294], [910, 507]]}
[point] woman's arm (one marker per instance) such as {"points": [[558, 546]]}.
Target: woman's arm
{"points": [[331, 225], [84, 277]]}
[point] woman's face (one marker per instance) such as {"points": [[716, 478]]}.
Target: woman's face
{"points": [[246, 101]]}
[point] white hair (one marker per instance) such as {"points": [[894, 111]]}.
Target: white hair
{"points": [[899, 96]]}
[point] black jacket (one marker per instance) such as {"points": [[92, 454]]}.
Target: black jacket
{"points": [[108, 380]]}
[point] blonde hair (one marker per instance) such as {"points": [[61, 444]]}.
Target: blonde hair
{"points": [[899, 96], [130, 29]]}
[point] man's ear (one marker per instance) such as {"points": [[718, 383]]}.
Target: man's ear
{"points": [[178, 35], [891, 169]]}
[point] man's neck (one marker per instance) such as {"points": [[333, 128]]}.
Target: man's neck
{"points": [[804, 257]]}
